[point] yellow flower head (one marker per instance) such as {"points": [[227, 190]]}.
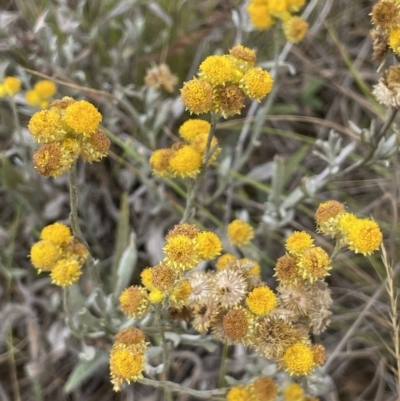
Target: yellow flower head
{"points": [[193, 127], [33, 98], [159, 162], [147, 278], [163, 277], [394, 40], [197, 95], [134, 301], [125, 364], [225, 261], [228, 100], [295, 5], [82, 117], [386, 14], [260, 16], [180, 252], [257, 83], [364, 237], [238, 393], [57, 233], [261, 300], [286, 270], [46, 126], [200, 143], [295, 29], [319, 354], [156, 296], [240, 233], [298, 360], [66, 272], [11, 85], [243, 53], [346, 222], [264, 389], [185, 162], [47, 160], [314, 264], [277, 6], [327, 217], [44, 255], [181, 293], [208, 245], [131, 338], [235, 324], [45, 89], [298, 242], [95, 147], [293, 392], [219, 70]]}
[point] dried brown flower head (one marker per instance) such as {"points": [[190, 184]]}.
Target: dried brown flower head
{"points": [[189, 230], [294, 297], [319, 354], [201, 287], [379, 44], [386, 14], [235, 324], [163, 277], [286, 270], [161, 76], [229, 288], [264, 389], [205, 315]]}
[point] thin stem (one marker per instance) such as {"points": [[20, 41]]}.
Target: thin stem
{"points": [[166, 355], [222, 369], [338, 247], [186, 390], [195, 187]]}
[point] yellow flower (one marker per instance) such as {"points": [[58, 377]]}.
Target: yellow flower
{"points": [[57, 233], [66, 272], [33, 98], [264, 389], [295, 5], [260, 16], [159, 162], [261, 300], [45, 89], [225, 261], [293, 392], [208, 245], [314, 264], [147, 278], [243, 54], [180, 252], [181, 293], [219, 70], [200, 142], [82, 117], [257, 83], [364, 237], [394, 40], [327, 217], [228, 100], [346, 222], [11, 85], [193, 127], [240, 233], [298, 360], [44, 255], [185, 162], [197, 95], [295, 29], [298, 242], [156, 296], [46, 126], [125, 364], [134, 301], [238, 393], [277, 6]]}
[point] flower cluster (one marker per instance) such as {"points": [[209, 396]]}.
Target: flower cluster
{"points": [[360, 235], [184, 159], [161, 77], [127, 356], [67, 129], [224, 81], [264, 13], [265, 388], [59, 253], [10, 86], [41, 93]]}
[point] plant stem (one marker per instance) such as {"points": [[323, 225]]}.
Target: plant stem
{"points": [[338, 247], [222, 369], [195, 187], [208, 394]]}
